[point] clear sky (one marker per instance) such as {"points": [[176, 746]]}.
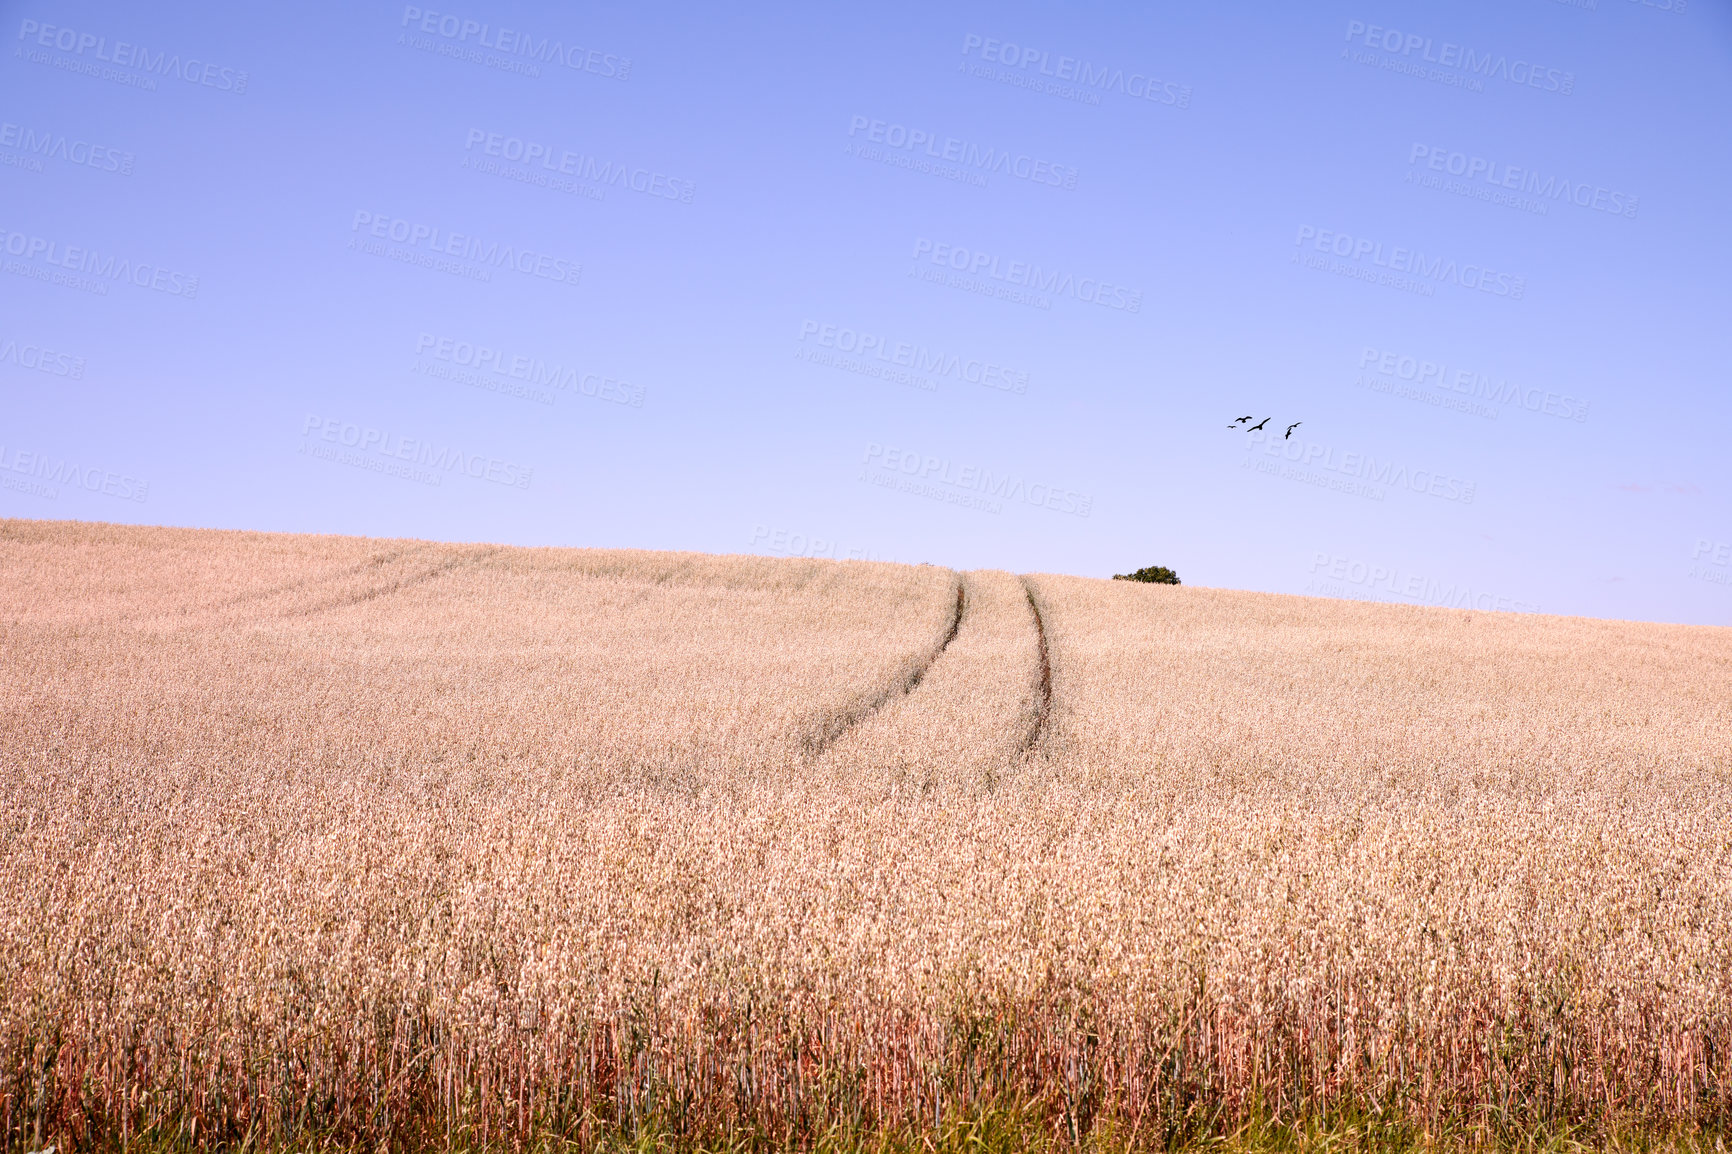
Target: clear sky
{"points": [[976, 284]]}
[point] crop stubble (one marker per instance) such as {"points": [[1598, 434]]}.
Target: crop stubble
{"points": [[393, 840]]}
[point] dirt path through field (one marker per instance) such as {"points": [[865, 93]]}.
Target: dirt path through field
{"points": [[384, 580], [976, 709], [1043, 689], [842, 720]]}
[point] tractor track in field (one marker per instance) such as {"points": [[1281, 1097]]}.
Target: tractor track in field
{"points": [[836, 726], [449, 563], [1043, 689], [840, 723]]}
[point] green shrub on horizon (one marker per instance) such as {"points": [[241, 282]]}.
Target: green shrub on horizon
{"points": [[1154, 574]]}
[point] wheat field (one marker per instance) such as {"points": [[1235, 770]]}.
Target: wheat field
{"points": [[334, 842]]}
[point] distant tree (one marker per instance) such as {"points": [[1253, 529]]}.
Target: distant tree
{"points": [[1156, 574]]}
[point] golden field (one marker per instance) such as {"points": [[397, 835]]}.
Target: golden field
{"points": [[344, 842]]}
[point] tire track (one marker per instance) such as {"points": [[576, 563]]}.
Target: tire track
{"points": [[253, 606], [847, 718], [1043, 689], [232, 606], [397, 586]]}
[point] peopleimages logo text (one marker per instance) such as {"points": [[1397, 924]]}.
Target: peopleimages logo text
{"points": [[1718, 558], [980, 485], [535, 373], [792, 543], [1389, 579], [1408, 262], [949, 149], [417, 237], [1027, 275], [1361, 469], [1476, 170], [41, 359], [88, 269], [58, 146], [124, 55], [914, 357], [516, 43], [48, 471], [1716, 552], [1073, 70], [1468, 383], [411, 450], [579, 166], [1412, 50]]}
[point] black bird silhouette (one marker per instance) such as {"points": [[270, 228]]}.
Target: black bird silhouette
{"points": [[1258, 425], [1291, 427], [1240, 421]]}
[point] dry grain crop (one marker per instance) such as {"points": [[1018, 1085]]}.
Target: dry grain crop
{"points": [[369, 842]]}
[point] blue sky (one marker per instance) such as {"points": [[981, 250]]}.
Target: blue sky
{"points": [[982, 286]]}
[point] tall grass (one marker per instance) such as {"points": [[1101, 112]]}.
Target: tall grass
{"points": [[312, 841]]}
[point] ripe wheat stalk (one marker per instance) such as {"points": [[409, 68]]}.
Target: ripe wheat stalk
{"points": [[392, 842]]}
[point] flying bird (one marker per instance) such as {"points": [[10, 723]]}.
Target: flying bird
{"points": [[1240, 421], [1291, 427], [1258, 425]]}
